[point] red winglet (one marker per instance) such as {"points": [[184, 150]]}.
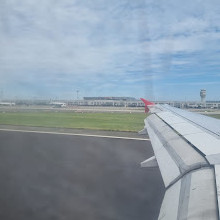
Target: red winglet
{"points": [[146, 104]]}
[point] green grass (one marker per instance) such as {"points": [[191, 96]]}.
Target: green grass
{"points": [[214, 116], [98, 121]]}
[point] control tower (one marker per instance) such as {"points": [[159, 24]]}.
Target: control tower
{"points": [[203, 95]]}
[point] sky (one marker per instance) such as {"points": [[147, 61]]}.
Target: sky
{"points": [[157, 49]]}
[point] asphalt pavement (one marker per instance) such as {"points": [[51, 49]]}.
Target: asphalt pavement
{"points": [[56, 176]]}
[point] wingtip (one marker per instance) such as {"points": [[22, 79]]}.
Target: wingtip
{"points": [[146, 102]]}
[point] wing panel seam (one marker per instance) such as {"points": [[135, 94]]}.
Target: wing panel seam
{"points": [[184, 138]]}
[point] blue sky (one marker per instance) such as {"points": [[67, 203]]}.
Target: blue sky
{"points": [[158, 49]]}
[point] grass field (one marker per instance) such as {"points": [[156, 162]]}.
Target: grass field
{"points": [[214, 116], [98, 121]]}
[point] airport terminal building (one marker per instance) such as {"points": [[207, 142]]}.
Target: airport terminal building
{"points": [[109, 102], [132, 102], [113, 101]]}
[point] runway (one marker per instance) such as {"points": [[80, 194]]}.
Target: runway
{"points": [[57, 176]]}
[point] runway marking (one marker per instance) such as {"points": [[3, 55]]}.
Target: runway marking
{"points": [[73, 134]]}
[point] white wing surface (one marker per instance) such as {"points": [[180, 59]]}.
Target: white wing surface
{"points": [[187, 150]]}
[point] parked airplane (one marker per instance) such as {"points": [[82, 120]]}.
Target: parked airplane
{"points": [[187, 150], [7, 103], [58, 104]]}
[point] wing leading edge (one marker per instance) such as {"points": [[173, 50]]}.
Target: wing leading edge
{"points": [[188, 155]]}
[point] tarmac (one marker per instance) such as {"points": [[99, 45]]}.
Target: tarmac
{"points": [[60, 176]]}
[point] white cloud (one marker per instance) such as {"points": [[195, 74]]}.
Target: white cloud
{"points": [[64, 41]]}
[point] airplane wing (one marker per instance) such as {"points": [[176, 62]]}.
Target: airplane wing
{"points": [[187, 150]]}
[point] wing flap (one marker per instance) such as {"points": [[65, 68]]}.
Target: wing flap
{"points": [[206, 142], [192, 197], [174, 155], [168, 167]]}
